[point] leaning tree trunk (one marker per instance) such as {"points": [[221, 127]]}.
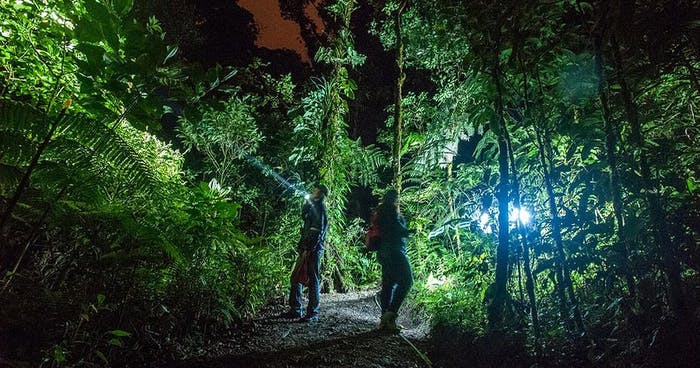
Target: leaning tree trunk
{"points": [[398, 112], [496, 309], [24, 181], [525, 246], [610, 145], [657, 214], [544, 149]]}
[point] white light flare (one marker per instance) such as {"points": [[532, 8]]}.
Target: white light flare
{"points": [[520, 214], [484, 222]]}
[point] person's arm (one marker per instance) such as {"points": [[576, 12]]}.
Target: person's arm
{"points": [[305, 208], [402, 228], [323, 221], [304, 216]]}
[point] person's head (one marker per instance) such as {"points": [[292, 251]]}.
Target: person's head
{"points": [[320, 191], [391, 197]]}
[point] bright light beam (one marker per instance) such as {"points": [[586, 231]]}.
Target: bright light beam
{"points": [[268, 171]]}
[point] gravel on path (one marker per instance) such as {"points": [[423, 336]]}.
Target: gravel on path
{"points": [[345, 335]]}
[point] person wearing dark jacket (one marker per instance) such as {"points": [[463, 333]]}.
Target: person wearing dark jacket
{"points": [[397, 277], [310, 248]]}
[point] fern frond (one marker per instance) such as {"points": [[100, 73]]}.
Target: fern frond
{"points": [[9, 178], [20, 117], [15, 148], [107, 145], [365, 162]]}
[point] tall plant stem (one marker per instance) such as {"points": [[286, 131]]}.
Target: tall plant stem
{"points": [[656, 212], [610, 148], [522, 231], [24, 181], [453, 208], [34, 234], [562, 270]]}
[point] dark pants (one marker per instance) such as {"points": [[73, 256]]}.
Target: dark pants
{"points": [[314, 278], [397, 279]]}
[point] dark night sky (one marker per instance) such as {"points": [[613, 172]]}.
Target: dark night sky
{"points": [[275, 32]]}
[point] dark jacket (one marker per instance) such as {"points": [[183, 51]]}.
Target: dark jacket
{"points": [[313, 233], [394, 232]]}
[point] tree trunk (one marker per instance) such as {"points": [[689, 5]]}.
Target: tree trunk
{"points": [[495, 310], [657, 214], [562, 270], [610, 146], [525, 247], [398, 112], [453, 210], [529, 279], [330, 125]]}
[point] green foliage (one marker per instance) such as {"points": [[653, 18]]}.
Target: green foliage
{"points": [[224, 136], [111, 195], [124, 245]]}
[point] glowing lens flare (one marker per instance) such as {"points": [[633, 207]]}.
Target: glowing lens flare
{"points": [[520, 214]]}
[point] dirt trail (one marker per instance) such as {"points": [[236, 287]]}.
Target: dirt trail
{"points": [[344, 336]]}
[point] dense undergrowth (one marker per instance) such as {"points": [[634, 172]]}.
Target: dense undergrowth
{"points": [[546, 156]]}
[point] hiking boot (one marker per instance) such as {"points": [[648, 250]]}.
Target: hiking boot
{"points": [[290, 314], [388, 322], [309, 318], [385, 321]]}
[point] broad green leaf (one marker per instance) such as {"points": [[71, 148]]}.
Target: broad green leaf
{"points": [[120, 333]]}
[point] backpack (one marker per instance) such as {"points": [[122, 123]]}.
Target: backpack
{"points": [[374, 236], [300, 274]]}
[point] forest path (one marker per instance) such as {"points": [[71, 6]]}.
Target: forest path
{"points": [[344, 336]]}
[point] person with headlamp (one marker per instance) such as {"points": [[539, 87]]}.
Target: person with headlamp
{"points": [[310, 248]]}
